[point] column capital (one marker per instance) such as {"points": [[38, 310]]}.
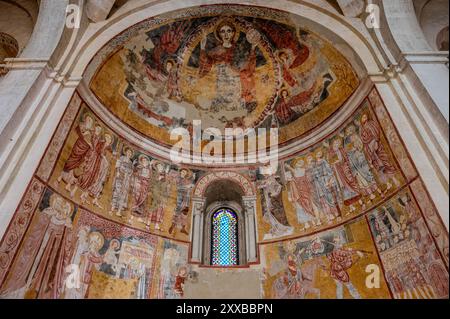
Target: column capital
{"points": [[198, 203], [249, 204]]}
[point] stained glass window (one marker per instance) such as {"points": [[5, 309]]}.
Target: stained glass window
{"points": [[224, 250]]}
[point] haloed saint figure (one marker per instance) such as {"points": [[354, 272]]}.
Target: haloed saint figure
{"points": [[234, 68]]}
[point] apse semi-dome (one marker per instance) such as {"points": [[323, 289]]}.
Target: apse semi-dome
{"points": [[228, 66]]}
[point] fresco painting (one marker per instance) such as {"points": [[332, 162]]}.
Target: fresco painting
{"points": [[331, 265], [337, 179], [104, 173], [104, 218], [412, 262], [250, 69]]}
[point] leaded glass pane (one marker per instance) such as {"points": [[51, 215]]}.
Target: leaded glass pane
{"points": [[224, 238]]}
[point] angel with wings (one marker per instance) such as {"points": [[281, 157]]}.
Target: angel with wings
{"points": [[161, 63], [291, 107]]}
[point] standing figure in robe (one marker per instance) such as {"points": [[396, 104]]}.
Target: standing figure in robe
{"points": [[78, 154], [48, 270], [235, 84], [110, 259], [122, 180], [171, 85], [301, 195], [76, 289], [310, 169], [338, 158], [91, 260], [376, 153], [184, 180], [160, 188], [91, 165], [39, 269], [360, 166], [141, 184], [273, 208], [327, 188], [95, 190]]}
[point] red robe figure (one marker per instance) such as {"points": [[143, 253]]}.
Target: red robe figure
{"points": [[78, 154], [235, 85], [376, 153], [179, 281], [338, 158], [341, 260]]}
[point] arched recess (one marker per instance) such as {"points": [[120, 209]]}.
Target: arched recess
{"points": [[432, 16], [223, 190]]}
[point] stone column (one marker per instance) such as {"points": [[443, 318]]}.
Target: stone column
{"points": [[98, 10], [250, 222], [429, 77], [197, 229]]}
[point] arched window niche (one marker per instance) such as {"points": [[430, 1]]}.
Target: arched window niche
{"points": [[223, 226]]}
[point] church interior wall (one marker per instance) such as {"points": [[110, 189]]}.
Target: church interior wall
{"points": [[397, 219], [386, 207]]}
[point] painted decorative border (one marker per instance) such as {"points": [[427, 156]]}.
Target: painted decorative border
{"points": [[19, 224]]}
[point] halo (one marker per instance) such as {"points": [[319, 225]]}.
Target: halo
{"points": [[283, 88], [227, 21], [126, 148], [154, 163], [171, 60], [337, 138], [188, 171], [364, 114], [321, 150], [114, 241], [110, 135], [99, 236], [53, 198], [288, 52], [86, 115], [296, 160], [141, 157]]}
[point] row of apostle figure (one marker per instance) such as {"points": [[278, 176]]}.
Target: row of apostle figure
{"points": [[140, 185]]}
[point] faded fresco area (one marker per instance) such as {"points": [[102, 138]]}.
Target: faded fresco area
{"points": [[229, 67], [101, 218]]}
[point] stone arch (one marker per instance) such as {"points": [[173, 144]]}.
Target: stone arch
{"points": [[432, 16], [204, 182], [333, 22], [223, 189]]}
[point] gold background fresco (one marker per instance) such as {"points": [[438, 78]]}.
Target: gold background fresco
{"points": [[112, 78]]}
